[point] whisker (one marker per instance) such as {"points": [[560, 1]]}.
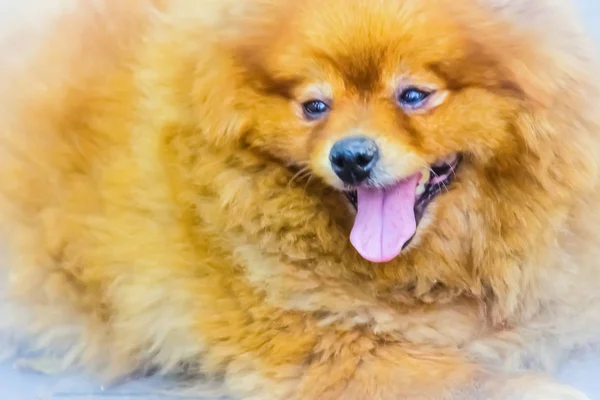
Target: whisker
{"points": [[437, 176], [310, 176], [301, 174], [444, 186]]}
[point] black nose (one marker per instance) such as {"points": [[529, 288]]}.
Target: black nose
{"points": [[353, 158]]}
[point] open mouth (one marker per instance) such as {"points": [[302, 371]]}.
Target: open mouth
{"points": [[387, 218]]}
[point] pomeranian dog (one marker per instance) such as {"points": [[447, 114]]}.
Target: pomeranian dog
{"points": [[306, 199]]}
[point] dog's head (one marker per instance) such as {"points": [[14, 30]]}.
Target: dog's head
{"points": [[411, 107]]}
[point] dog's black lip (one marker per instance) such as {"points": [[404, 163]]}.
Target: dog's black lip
{"points": [[352, 196], [431, 190]]}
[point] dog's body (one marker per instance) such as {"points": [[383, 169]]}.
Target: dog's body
{"points": [[149, 161]]}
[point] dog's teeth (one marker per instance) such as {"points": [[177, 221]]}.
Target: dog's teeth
{"points": [[449, 160], [425, 175]]}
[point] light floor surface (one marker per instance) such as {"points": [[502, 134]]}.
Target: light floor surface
{"points": [[16, 384]]}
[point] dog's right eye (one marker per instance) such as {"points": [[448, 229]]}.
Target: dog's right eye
{"points": [[315, 109]]}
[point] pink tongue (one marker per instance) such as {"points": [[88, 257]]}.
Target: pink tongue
{"points": [[385, 220]]}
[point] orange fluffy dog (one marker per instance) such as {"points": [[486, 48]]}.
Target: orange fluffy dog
{"points": [[307, 199]]}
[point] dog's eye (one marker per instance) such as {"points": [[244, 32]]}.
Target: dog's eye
{"points": [[412, 97], [315, 109]]}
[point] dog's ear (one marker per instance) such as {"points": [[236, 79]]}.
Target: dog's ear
{"points": [[536, 45], [254, 43]]}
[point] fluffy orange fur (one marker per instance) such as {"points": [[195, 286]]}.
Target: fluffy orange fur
{"points": [[154, 217]]}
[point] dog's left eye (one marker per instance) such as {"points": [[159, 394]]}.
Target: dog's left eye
{"points": [[412, 97], [315, 109]]}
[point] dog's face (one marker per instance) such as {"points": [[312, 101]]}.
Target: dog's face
{"points": [[386, 100]]}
